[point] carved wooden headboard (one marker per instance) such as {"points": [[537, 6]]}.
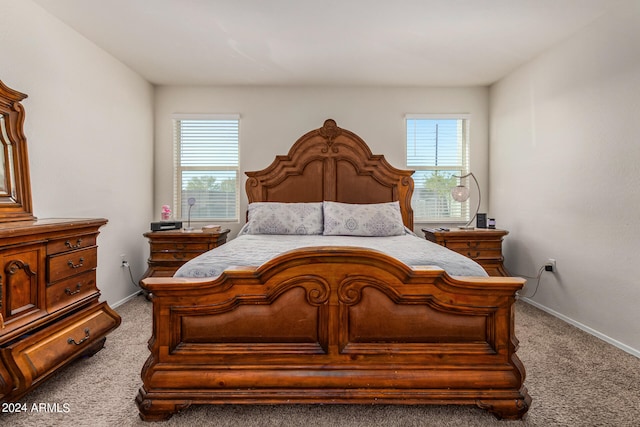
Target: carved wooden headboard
{"points": [[332, 164]]}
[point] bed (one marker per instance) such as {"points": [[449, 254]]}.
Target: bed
{"points": [[323, 314]]}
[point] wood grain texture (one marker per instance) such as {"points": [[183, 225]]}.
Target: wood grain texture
{"points": [[333, 164]]}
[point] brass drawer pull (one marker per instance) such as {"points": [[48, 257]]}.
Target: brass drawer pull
{"points": [[470, 255], [86, 337], [72, 265], [72, 246], [70, 292]]}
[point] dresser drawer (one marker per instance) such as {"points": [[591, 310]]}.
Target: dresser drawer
{"points": [[66, 292], [71, 263], [46, 350], [71, 243]]}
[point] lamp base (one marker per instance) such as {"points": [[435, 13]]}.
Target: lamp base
{"points": [[466, 227]]}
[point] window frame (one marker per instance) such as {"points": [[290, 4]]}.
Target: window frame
{"points": [[460, 169], [178, 168]]}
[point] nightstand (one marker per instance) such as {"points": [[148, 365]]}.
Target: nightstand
{"points": [[169, 250], [483, 245]]}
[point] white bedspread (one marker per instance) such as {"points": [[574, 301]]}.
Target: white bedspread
{"points": [[254, 250]]}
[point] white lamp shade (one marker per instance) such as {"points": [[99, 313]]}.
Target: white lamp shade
{"points": [[460, 193]]}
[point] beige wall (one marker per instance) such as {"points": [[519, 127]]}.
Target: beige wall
{"points": [[564, 155], [89, 126], [273, 118]]}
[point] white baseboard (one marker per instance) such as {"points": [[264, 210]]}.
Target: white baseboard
{"points": [[585, 328], [124, 300]]}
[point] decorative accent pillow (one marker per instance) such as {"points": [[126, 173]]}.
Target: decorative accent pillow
{"points": [[375, 220], [284, 218]]}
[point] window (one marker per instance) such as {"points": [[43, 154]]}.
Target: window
{"points": [[206, 166], [437, 149]]}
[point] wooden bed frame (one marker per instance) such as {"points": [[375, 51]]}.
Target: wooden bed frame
{"points": [[333, 325]]}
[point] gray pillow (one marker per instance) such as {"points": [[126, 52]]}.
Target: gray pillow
{"points": [[284, 218], [375, 220]]}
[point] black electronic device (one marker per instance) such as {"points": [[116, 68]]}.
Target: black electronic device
{"points": [[481, 220], [166, 225]]}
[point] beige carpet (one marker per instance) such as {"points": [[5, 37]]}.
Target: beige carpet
{"points": [[573, 378]]}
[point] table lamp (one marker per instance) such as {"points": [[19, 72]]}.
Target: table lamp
{"points": [[461, 193]]}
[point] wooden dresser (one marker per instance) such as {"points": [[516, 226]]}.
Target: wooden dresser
{"points": [[483, 245], [50, 312], [169, 250]]}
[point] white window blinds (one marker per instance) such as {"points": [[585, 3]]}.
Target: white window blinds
{"points": [[437, 149], [206, 164]]}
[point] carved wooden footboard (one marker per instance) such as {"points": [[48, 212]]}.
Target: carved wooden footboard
{"points": [[333, 325]]}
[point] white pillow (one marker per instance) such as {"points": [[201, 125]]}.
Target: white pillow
{"points": [[284, 218], [375, 219]]}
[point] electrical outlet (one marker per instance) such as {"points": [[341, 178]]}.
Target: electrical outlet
{"points": [[123, 260], [550, 265]]}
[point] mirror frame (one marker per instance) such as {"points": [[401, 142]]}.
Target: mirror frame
{"points": [[16, 205]]}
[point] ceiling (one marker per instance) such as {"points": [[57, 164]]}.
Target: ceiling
{"points": [[325, 42]]}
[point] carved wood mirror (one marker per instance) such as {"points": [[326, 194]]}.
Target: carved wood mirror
{"points": [[15, 183]]}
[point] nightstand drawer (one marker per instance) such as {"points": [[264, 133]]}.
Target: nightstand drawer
{"points": [[163, 270], [174, 256], [480, 253], [179, 246], [481, 245]]}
